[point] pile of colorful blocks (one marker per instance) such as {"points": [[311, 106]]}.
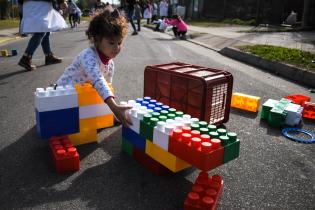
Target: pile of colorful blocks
{"points": [[176, 140], [70, 115]]}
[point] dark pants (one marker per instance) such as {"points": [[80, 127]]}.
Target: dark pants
{"points": [[180, 34], [39, 38], [130, 13]]}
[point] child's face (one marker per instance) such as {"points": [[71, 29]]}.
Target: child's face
{"points": [[111, 47]]}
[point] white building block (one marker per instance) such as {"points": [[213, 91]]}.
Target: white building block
{"points": [[161, 134], [64, 97], [95, 110], [294, 114]]}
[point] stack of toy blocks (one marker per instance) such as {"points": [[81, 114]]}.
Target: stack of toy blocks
{"points": [[245, 102], [93, 113], [305, 102], [57, 111], [65, 156], [280, 113], [205, 193], [77, 112], [5, 53], [176, 140]]}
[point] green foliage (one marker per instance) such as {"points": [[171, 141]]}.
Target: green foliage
{"points": [[9, 23], [281, 54], [82, 4]]}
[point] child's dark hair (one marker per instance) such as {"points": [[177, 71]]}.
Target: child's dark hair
{"points": [[107, 24], [176, 17]]}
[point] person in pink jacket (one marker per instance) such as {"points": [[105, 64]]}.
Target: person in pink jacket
{"points": [[179, 26]]}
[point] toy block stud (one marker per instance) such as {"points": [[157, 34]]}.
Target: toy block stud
{"points": [[212, 128]]}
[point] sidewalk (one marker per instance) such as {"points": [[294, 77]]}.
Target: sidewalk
{"points": [[225, 39], [8, 35]]}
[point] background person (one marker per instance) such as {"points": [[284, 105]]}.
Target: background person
{"points": [[39, 19]]}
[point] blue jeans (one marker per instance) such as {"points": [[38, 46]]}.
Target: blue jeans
{"points": [[130, 14], [38, 38]]}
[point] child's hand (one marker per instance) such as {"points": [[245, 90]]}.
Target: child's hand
{"points": [[120, 111]]}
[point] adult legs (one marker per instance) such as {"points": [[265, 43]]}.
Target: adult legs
{"points": [[130, 13], [50, 58], [138, 23], [182, 34]]}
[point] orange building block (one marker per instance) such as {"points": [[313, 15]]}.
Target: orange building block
{"points": [[309, 110], [202, 155], [245, 102], [83, 137], [205, 193], [64, 155], [87, 94]]}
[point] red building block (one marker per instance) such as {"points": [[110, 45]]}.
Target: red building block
{"points": [[202, 155], [152, 165], [64, 155], [309, 110], [205, 193], [299, 99]]}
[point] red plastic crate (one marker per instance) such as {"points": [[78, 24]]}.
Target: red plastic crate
{"points": [[64, 155], [202, 92]]}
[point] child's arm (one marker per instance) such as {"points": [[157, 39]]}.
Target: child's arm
{"points": [[120, 111], [91, 66]]}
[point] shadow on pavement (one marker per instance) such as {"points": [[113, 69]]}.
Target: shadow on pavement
{"points": [[108, 179], [244, 113]]}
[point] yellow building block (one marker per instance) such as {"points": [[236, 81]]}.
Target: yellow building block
{"points": [[84, 137], [165, 158], [245, 102], [97, 122], [4, 53]]}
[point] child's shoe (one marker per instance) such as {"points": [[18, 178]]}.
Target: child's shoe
{"points": [[26, 62], [51, 59]]}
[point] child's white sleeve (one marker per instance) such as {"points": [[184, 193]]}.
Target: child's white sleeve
{"points": [[91, 67]]}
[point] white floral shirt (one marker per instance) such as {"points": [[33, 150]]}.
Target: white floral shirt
{"points": [[88, 67]]}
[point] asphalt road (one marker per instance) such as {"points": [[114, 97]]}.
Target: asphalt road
{"points": [[272, 172]]}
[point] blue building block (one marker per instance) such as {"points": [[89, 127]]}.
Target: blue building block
{"points": [[57, 122], [135, 139]]}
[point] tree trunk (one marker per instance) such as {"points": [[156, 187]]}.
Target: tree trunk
{"points": [[306, 14]]}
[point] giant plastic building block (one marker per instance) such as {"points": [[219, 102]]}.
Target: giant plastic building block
{"points": [[298, 99], [126, 146], [57, 111], [149, 163], [278, 113], [83, 137], [309, 110], [87, 95], [294, 114], [245, 102], [201, 92], [167, 159], [205, 193], [203, 155], [64, 155], [134, 138], [266, 108]]}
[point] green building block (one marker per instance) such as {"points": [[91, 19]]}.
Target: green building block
{"points": [[203, 124], [266, 107], [126, 146], [278, 114], [204, 130], [145, 129], [231, 151], [212, 128]]}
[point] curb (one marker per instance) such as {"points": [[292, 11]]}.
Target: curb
{"points": [[5, 40], [287, 71]]}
